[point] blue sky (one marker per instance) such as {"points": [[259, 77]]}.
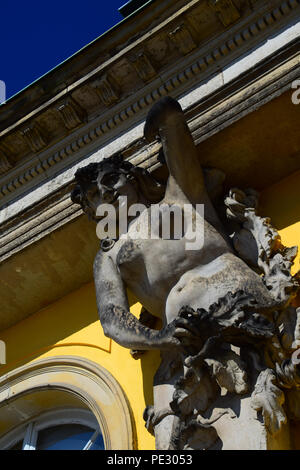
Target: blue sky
{"points": [[35, 36]]}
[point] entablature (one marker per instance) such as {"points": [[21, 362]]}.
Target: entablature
{"points": [[189, 46]]}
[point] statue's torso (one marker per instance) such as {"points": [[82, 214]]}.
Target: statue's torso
{"points": [[164, 275]]}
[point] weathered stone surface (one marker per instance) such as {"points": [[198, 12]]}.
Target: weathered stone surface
{"points": [[221, 305], [214, 101]]}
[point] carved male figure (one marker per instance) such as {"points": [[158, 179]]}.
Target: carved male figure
{"points": [[162, 274]]}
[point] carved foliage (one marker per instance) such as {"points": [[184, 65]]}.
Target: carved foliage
{"points": [[268, 399], [229, 372], [210, 365], [195, 391], [288, 324], [237, 319], [259, 244], [269, 334]]}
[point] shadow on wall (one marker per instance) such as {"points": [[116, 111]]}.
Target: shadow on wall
{"points": [[281, 202], [149, 364]]}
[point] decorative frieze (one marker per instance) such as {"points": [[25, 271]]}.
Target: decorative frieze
{"points": [[71, 113], [143, 66], [34, 137], [226, 10], [203, 62], [182, 39], [107, 92]]}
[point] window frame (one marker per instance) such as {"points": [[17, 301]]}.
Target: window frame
{"points": [[28, 432]]}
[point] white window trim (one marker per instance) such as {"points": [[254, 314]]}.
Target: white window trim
{"points": [[30, 438], [92, 440]]}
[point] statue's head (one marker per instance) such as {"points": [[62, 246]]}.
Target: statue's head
{"points": [[104, 183]]}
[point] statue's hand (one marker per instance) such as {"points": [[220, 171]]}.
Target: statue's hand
{"points": [[187, 332], [166, 339], [180, 332]]}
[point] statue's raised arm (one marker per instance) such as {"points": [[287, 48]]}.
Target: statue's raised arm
{"points": [[166, 120]]}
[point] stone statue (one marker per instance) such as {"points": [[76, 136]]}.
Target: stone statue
{"points": [[221, 306]]}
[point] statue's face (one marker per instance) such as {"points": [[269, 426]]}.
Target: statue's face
{"points": [[111, 184]]}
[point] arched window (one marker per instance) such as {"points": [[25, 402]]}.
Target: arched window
{"points": [[64, 402]]}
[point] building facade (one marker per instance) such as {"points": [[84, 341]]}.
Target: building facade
{"points": [[234, 66]]}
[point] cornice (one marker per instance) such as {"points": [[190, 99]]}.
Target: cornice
{"points": [[246, 94], [120, 52], [200, 63], [59, 79], [205, 118]]}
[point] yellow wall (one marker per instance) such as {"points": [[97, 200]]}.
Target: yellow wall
{"points": [[70, 326], [281, 202]]}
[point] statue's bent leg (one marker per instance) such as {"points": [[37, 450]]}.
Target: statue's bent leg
{"points": [[165, 423]]}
